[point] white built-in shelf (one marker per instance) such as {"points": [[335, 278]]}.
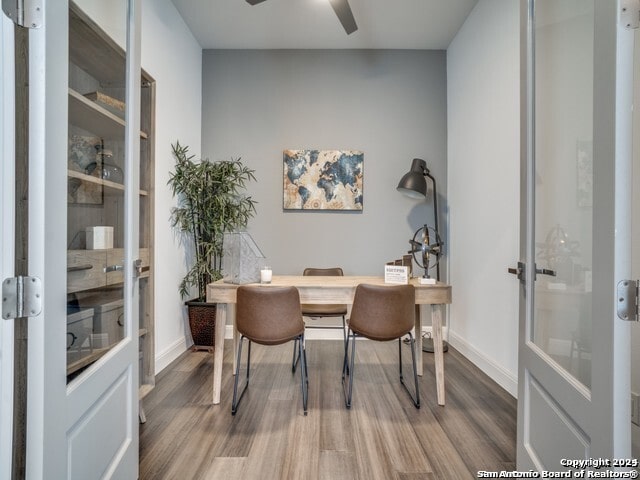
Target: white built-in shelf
{"points": [[99, 181], [95, 118]]}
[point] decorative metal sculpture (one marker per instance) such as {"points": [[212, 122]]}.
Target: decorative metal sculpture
{"points": [[426, 247]]}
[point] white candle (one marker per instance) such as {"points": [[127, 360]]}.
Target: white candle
{"points": [[265, 275]]}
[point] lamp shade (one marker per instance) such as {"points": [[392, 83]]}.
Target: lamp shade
{"points": [[413, 184]]}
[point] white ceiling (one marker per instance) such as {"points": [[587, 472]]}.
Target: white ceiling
{"points": [[410, 24]]}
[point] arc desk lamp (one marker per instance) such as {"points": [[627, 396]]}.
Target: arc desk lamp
{"points": [[414, 185]]}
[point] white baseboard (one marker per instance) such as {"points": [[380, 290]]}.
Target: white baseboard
{"points": [[169, 354], [496, 372], [324, 333]]}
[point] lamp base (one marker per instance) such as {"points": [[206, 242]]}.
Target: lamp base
{"points": [[427, 345]]}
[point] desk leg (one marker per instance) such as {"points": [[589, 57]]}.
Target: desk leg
{"points": [[218, 352], [418, 338], [438, 351], [231, 314]]}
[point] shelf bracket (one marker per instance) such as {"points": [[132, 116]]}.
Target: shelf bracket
{"points": [[25, 13]]}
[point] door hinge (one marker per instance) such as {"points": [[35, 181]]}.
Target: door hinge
{"points": [[26, 13], [627, 300], [630, 14], [21, 297]]}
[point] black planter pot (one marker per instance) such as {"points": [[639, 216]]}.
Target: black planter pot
{"points": [[202, 322]]}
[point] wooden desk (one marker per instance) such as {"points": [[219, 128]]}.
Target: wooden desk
{"points": [[330, 290]]}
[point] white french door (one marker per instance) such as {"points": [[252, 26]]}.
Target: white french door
{"points": [[81, 419], [574, 351]]}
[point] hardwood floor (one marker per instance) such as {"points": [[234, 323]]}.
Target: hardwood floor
{"points": [[383, 436]]}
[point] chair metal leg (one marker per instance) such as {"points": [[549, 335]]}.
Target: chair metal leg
{"points": [[294, 362], [296, 356], [416, 398], [415, 372], [348, 366], [304, 378], [236, 398], [344, 358], [400, 359], [348, 369], [344, 334]]}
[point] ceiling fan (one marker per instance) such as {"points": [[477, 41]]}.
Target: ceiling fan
{"points": [[342, 9]]}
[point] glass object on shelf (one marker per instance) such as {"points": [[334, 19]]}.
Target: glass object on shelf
{"points": [[102, 166], [113, 173]]}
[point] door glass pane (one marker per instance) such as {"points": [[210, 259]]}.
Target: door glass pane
{"points": [[95, 181], [563, 182]]}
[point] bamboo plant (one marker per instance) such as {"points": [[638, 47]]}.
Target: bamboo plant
{"points": [[210, 203]]}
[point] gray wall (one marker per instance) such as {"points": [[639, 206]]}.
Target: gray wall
{"points": [[483, 69], [389, 104]]}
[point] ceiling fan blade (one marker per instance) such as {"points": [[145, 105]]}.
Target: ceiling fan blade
{"points": [[254, 2], [344, 13]]}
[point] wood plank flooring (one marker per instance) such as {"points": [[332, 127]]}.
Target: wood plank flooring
{"points": [[383, 436]]}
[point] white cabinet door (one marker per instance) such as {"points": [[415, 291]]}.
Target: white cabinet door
{"points": [[574, 352], [82, 407]]}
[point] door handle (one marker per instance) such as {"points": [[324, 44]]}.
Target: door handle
{"points": [[137, 267], [515, 271], [113, 268], [518, 271], [79, 268], [546, 271]]}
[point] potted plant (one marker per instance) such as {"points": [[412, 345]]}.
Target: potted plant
{"points": [[210, 203]]}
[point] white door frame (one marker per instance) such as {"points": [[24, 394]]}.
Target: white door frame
{"points": [[48, 65], [7, 236]]}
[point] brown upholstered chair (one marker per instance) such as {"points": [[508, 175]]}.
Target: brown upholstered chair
{"points": [[320, 311], [381, 313], [269, 316]]}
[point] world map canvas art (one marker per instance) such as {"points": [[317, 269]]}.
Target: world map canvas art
{"points": [[323, 179]]}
